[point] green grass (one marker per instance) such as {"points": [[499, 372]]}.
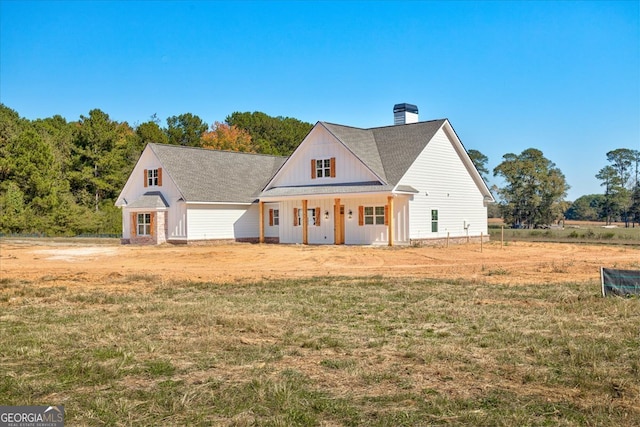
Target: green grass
{"points": [[375, 352], [619, 235]]}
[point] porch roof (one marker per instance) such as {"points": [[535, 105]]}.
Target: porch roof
{"points": [[335, 189], [149, 200]]}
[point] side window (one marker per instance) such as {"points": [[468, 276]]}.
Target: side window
{"points": [[434, 220], [276, 217]]}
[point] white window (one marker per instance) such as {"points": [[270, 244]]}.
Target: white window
{"points": [[311, 217], [276, 217], [144, 224], [374, 215], [152, 177], [323, 168]]}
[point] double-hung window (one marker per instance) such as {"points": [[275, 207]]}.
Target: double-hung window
{"points": [[144, 224], [374, 215], [153, 177], [276, 217], [323, 168], [311, 217]]}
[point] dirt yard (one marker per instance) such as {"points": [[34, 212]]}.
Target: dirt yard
{"points": [[78, 263]]}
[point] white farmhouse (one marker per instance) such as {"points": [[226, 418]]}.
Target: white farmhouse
{"points": [[392, 185]]}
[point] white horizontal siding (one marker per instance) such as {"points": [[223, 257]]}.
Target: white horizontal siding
{"points": [[207, 222], [444, 184]]}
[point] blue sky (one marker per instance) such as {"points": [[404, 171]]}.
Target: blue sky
{"points": [[563, 77]]}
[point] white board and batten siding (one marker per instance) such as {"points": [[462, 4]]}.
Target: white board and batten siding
{"points": [[272, 230], [355, 234], [459, 203], [320, 144], [377, 234]]}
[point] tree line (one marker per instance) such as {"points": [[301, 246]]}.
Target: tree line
{"points": [[60, 177], [535, 190]]}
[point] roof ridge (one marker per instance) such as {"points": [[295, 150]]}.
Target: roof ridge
{"points": [[386, 126]]}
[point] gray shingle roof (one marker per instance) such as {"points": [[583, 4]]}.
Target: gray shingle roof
{"points": [[150, 200], [388, 151], [216, 176]]}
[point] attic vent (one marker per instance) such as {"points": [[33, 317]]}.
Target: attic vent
{"points": [[404, 114]]}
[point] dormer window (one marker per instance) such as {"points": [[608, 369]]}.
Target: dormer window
{"points": [[323, 168], [153, 177]]}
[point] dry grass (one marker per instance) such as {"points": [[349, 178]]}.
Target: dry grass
{"points": [[322, 351]]}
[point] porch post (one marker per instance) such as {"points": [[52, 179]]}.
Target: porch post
{"points": [[336, 215], [261, 215], [305, 226], [390, 233]]}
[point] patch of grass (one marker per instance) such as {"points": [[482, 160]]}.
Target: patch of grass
{"points": [[325, 351], [589, 234], [159, 368], [497, 272]]}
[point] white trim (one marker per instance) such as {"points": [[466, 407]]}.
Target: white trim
{"points": [[466, 160], [220, 203], [327, 196]]}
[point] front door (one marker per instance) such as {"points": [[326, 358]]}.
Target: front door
{"points": [[340, 227]]}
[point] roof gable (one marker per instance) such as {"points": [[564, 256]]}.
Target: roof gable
{"points": [[388, 151], [360, 142], [203, 175], [400, 145]]}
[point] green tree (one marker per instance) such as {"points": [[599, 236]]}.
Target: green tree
{"points": [[622, 160], [14, 213], [535, 189], [32, 169], [480, 162], [613, 193], [272, 135], [103, 153], [586, 208], [151, 132], [186, 129]]}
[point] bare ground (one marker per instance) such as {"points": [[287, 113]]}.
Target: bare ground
{"points": [[97, 263]]}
